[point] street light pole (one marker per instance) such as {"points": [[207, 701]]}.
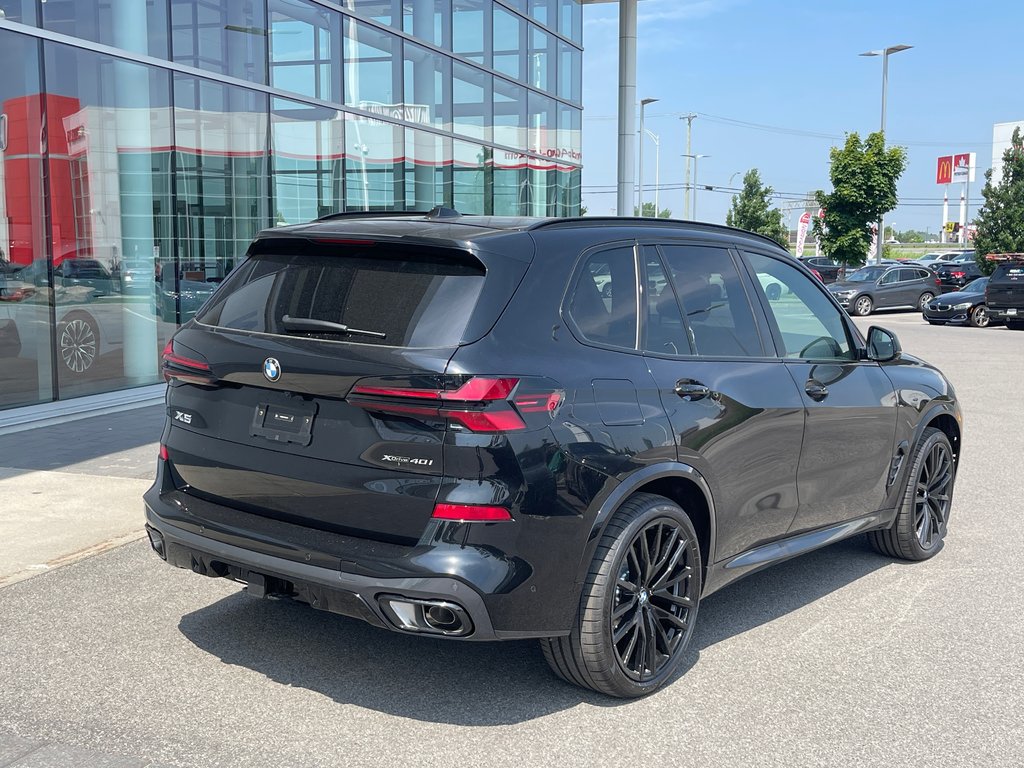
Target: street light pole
{"points": [[884, 53], [695, 158], [689, 130], [640, 168], [657, 169]]}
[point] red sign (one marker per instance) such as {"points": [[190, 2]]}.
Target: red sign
{"points": [[944, 171]]}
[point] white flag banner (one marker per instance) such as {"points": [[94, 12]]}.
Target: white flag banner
{"points": [[874, 241], [801, 233], [817, 240]]}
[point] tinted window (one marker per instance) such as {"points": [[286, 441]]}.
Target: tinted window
{"points": [[421, 302], [810, 325], [1014, 272], [715, 305], [665, 332], [865, 275], [603, 304], [890, 277]]}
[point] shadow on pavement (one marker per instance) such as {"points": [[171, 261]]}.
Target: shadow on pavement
{"points": [[469, 683]]}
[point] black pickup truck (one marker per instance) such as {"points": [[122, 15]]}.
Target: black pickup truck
{"points": [[1004, 295]]}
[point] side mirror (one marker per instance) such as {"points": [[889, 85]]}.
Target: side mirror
{"points": [[883, 345]]}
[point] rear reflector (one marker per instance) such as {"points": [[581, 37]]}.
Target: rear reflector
{"points": [[163, 452], [471, 513]]}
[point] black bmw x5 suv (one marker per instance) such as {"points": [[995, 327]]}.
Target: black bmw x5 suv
{"points": [[447, 425]]}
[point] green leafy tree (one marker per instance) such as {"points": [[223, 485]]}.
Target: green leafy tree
{"points": [[1000, 219], [751, 210], [864, 175], [650, 213], [583, 210]]}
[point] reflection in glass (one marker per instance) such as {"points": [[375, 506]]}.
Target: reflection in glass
{"points": [[570, 64], [21, 11], [541, 123], [428, 167], [570, 20], [471, 101], [308, 146], [509, 43], [384, 11], [569, 124], [25, 336], [509, 113], [471, 29], [135, 25], [428, 20], [542, 11], [305, 41], [109, 171], [471, 182], [225, 37], [541, 59], [372, 79], [427, 87], [374, 165]]}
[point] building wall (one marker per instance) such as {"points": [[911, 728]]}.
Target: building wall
{"points": [[1001, 135], [148, 141]]}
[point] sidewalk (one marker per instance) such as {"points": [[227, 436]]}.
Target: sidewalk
{"points": [[73, 490]]}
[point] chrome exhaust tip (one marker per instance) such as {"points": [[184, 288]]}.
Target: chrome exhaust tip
{"points": [[435, 617]]}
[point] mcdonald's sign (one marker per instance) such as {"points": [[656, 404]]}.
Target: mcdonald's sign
{"points": [[944, 171]]}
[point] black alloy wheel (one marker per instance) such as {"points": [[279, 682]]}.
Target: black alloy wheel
{"points": [[979, 317], [921, 522], [639, 603]]}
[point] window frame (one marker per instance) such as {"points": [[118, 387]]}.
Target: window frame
{"points": [[854, 337], [570, 289]]}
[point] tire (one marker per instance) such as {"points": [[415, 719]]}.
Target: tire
{"points": [[590, 656], [918, 531], [773, 292], [923, 301], [78, 342], [862, 306], [1015, 325], [979, 317]]}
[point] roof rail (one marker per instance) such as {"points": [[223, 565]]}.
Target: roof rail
{"points": [[633, 221], [370, 214]]}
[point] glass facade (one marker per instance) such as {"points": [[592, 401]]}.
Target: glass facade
{"points": [[144, 143]]}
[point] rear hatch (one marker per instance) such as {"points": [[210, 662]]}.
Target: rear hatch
{"points": [[1006, 287], [272, 393]]}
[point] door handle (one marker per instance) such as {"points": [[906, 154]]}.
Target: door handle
{"points": [[816, 390], [690, 390]]}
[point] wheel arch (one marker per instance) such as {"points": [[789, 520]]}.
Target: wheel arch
{"points": [[945, 422], [677, 482]]}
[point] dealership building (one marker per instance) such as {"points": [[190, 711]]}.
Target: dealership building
{"points": [[143, 143]]}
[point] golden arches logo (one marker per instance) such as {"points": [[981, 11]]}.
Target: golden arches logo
{"points": [[944, 173]]}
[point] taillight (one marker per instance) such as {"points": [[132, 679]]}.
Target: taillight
{"points": [[163, 452], [181, 367], [957, 274], [817, 274], [479, 403], [471, 513]]}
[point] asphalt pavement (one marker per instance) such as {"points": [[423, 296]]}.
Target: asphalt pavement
{"points": [[841, 657]]}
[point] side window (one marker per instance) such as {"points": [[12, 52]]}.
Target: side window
{"points": [[907, 274], [922, 274], [889, 277], [603, 303], [810, 326], [715, 305], [665, 332]]}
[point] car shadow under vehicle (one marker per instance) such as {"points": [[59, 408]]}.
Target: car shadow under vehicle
{"points": [[480, 684]]}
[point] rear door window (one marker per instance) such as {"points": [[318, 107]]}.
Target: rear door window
{"points": [[603, 303], [366, 296]]}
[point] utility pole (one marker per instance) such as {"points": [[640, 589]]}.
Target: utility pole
{"points": [[689, 128]]}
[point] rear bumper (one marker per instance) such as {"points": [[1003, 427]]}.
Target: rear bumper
{"points": [[1002, 314], [326, 582]]}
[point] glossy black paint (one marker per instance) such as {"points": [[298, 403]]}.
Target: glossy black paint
{"points": [[956, 308], [956, 274], [765, 469]]}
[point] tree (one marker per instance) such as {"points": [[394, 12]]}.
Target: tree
{"points": [[751, 210], [583, 210], [649, 213], [1000, 219], [864, 175]]}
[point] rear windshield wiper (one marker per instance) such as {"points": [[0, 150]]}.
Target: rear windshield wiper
{"points": [[312, 325]]}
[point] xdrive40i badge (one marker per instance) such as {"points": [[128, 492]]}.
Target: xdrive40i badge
{"points": [[406, 460]]}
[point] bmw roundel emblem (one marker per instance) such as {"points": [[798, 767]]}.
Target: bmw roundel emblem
{"points": [[272, 369]]}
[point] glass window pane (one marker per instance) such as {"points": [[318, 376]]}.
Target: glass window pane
{"points": [[471, 101], [427, 87], [665, 333], [21, 11], [428, 20], [428, 159], [221, 139], [570, 67], [511, 187], [384, 11], [543, 11], [603, 304], [471, 29], [541, 124], [570, 20], [711, 292], [470, 177], [372, 80], [569, 133], [374, 164], [509, 113], [542, 59], [509, 43], [140, 27], [305, 41], [810, 325], [26, 339], [111, 217], [229, 38], [308, 145]]}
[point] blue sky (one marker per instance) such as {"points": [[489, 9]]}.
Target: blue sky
{"points": [[794, 65]]}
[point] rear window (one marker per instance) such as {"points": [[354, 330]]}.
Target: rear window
{"points": [[381, 299], [1012, 272]]}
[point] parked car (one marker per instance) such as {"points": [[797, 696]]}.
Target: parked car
{"points": [[828, 269], [964, 307], [439, 425], [1004, 295], [935, 259], [885, 287], [956, 273]]}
